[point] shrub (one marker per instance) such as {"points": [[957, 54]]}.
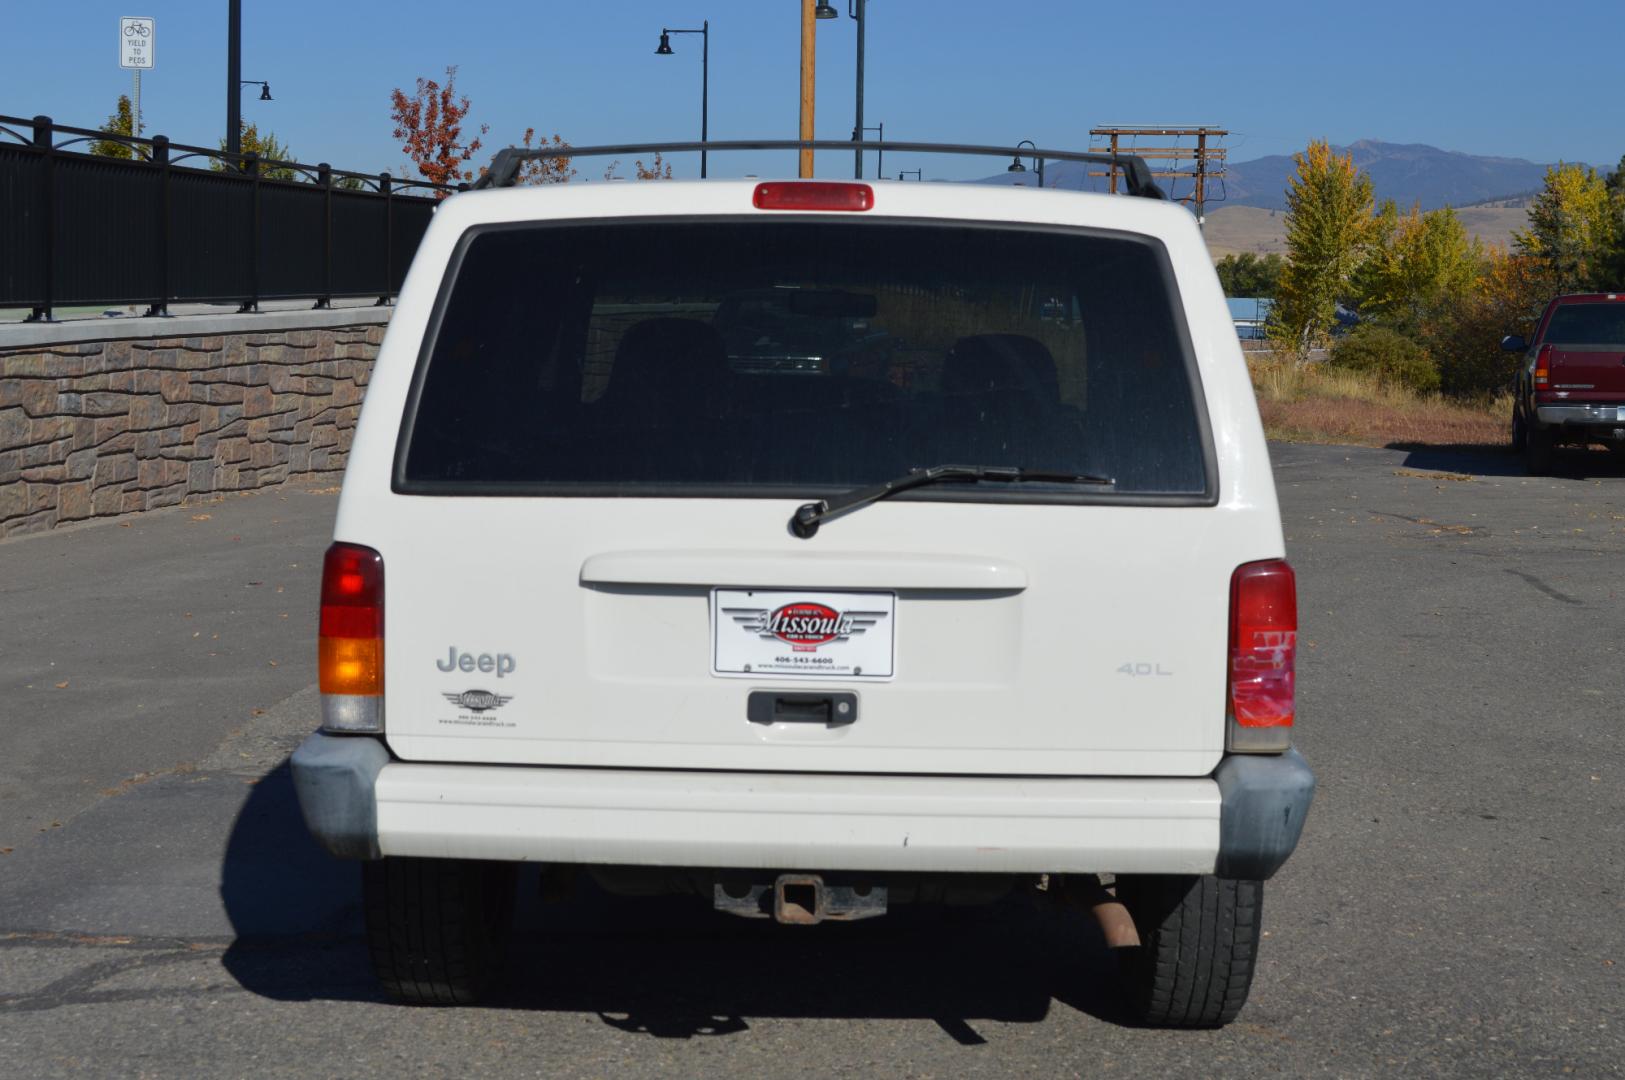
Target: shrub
{"points": [[1390, 356]]}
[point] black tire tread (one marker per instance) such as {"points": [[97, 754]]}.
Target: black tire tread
{"points": [[436, 928], [1198, 948], [1537, 450]]}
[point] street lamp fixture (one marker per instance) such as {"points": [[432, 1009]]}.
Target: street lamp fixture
{"points": [[1017, 167], [265, 87], [705, 77], [825, 10]]}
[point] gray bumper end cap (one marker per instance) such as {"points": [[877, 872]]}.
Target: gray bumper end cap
{"points": [[1264, 800], [333, 776]]}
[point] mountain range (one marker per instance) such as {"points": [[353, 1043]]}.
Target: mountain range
{"points": [[1405, 172]]}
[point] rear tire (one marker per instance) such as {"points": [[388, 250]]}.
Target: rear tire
{"points": [[1537, 451], [437, 928], [1520, 431], [1198, 945]]}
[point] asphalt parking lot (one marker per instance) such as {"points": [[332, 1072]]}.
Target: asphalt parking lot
{"points": [[1457, 906]]}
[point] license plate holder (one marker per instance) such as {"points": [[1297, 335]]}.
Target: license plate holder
{"points": [[803, 633]]}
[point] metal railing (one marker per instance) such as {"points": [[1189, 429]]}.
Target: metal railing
{"points": [[85, 229]]}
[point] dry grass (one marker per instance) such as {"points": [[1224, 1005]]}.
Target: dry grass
{"points": [[1318, 403]]}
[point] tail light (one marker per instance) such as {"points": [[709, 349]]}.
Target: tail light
{"points": [[818, 195], [1543, 369], [1263, 652], [350, 649]]}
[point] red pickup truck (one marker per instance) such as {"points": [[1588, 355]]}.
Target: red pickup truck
{"points": [[1571, 386]]}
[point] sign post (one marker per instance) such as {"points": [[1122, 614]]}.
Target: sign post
{"points": [[135, 51]]}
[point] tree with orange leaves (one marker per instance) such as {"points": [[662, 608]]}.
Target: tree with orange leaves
{"points": [[430, 123], [660, 170], [544, 170], [1464, 337]]}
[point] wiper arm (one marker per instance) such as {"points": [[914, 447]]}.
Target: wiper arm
{"points": [[804, 523]]}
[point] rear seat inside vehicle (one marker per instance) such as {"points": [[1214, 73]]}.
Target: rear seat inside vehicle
{"points": [[1004, 389], [674, 404]]}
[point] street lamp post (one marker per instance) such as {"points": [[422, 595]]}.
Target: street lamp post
{"points": [[235, 83], [880, 154], [857, 127], [1017, 167], [234, 75], [705, 77]]}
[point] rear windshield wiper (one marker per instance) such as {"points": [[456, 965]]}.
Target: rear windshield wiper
{"points": [[809, 516]]}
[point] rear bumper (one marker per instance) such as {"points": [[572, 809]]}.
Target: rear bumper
{"points": [[1232, 822], [1589, 415]]}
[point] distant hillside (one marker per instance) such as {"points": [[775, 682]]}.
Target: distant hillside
{"points": [[1406, 173], [1233, 229]]}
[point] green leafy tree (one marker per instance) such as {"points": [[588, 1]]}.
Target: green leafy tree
{"points": [[1573, 228], [122, 122], [1415, 263], [1614, 269], [1328, 227], [1249, 275], [1394, 358], [268, 147]]}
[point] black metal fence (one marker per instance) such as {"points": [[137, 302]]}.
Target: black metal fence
{"points": [[79, 228]]}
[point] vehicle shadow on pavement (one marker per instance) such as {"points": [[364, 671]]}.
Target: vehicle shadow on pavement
{"points": [[1567, 463], [669, 967], [673, 968], [295, 911]]}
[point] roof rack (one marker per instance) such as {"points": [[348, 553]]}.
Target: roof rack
{"points": [[504, 170]]}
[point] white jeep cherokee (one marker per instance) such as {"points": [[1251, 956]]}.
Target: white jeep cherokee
{"points": [[815, 546]]}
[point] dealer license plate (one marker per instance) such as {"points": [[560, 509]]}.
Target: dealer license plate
{"points": [[803, 634]]}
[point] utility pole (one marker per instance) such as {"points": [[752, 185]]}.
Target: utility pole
{"points": [[234, 74], [808, 49], [1201, 163]]}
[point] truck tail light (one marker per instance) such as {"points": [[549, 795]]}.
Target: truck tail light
{"points": [[350, 648], [1543, 369], [817, 195], [1263, 652]]}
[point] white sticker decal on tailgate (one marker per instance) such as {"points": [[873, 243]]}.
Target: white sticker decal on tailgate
{"points": [[844, 634]]}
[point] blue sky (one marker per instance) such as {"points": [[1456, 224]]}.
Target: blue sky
{"points": [[1486, 77]]}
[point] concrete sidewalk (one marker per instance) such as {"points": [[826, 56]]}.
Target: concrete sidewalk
{"points": [[136, 646]]}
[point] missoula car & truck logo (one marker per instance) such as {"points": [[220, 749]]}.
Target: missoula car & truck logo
{"points": [[478, 701], [805, 625]]}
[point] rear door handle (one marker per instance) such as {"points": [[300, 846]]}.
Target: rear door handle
{"points": [[831, 710]]}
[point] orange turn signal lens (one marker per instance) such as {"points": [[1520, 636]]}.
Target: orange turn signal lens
{"points": [[350, 665]]}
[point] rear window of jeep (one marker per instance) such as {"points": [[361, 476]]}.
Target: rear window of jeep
{"points": [[768, 357]]}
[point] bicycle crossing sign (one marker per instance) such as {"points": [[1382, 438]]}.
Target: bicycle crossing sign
{"points": [[135, 37]]}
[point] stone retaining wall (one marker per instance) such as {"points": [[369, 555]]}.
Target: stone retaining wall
{"points": [[94, 428]]}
